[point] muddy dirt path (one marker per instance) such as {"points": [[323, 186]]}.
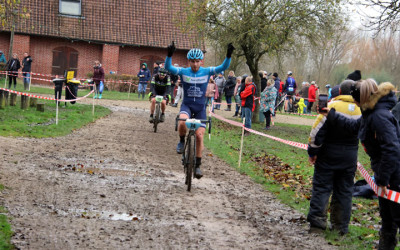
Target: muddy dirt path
{"points": [[115, 184]]}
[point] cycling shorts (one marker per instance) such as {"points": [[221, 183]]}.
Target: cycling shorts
{"points": [[195, 111], [289, 95]]}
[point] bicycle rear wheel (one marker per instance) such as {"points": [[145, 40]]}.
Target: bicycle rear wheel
{"points": [[190, 160], [156, 117]]}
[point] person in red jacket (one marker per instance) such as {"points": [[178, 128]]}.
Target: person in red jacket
{"points": [[312, 95], [248, 105]]}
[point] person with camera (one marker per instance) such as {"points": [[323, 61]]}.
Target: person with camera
{"points": [[379, 133], [333, 152]]}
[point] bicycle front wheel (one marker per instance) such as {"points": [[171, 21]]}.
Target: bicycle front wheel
{"points": [[190, 160], [156, 117]]}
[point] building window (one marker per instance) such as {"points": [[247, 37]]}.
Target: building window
{"points": [[70, 7]]}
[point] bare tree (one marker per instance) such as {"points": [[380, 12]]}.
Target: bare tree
{"points": [[388, 17]]}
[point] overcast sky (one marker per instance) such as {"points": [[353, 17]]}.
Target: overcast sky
{"points": [[359, 14]]}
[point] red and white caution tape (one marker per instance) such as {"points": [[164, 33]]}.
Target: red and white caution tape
{"points": [[46, 98], [391, 195]]}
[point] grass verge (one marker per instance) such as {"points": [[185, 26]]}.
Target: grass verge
{"points": [[284, 170], [49, 90], [31, 123], [5, 228]]}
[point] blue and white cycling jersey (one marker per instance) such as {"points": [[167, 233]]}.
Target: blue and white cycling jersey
{"points": [[195, 83]]}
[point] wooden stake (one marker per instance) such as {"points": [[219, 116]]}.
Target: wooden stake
{"points": [[241, 143]]}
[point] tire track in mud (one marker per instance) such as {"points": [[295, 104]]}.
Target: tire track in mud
{"points": [[59, 190]]}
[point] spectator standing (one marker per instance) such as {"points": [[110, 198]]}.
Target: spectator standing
{"points": [[289, 89], [267, 102], [312, 95], [211, 93], [178, 84], [379, 133], [333, 151], [12, 67], [247, 95], [98, 79], [144, 77], [355, 76], [220, 81], [277, 86], [156, 68], [2, 57], [304, 94], [237, 96], [329, 89], [230, 89], [26, 69], [263, 79]]}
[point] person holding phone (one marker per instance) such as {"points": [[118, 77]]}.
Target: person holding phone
{"points": [[333, 152]]}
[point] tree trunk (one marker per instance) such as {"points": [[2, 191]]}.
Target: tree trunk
{"points": [[40, 107], [13, 99], [24, 102], [32, 102], [253, 66], [10, 52]]}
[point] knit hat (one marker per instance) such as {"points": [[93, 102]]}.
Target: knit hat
{"points": [[355, 76], [275, 74], [335, 91]]}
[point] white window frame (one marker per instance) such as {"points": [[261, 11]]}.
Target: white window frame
{"points": [[70, 13]]}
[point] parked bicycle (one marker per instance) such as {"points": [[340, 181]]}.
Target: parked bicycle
{"points": [[189, 155]]}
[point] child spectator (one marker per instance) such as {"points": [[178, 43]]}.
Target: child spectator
{"points": [[211, 93], [302, 106], [237, 96]]}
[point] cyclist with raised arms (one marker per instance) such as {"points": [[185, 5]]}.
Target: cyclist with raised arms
{"points": [[160, 85], [194, 82]]}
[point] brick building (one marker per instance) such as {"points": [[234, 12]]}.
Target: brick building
{"points": [[72, 34]]}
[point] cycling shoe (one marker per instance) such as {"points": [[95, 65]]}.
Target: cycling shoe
{"points": [[180, 147], [197, 173]]}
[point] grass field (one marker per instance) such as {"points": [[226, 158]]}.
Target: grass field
{"points": [[284, 170]]}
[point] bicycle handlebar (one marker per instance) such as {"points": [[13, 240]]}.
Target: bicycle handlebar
{"points": [[202, 121]]}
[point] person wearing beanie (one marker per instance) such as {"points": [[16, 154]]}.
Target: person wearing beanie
{"points": [[335, 91], [355, 76]]}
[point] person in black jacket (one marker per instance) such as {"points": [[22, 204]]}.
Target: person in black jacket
{"points": [[277, 86], [13, 65], [333, 152], [26, 69], [379, 132], [229, 89]]}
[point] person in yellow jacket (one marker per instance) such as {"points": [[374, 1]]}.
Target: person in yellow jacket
{"points": [[301, 107], [333, 152]]}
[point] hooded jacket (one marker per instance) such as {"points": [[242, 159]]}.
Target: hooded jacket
{"points": [[230, 86], [144, 74], [13, 65], [98, 74], [2, 57], [277, 83], [312, 93], [247, 96], [335, 147], [379, 133]]}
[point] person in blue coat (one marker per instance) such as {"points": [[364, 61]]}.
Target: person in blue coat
{"points": [[2, 57], [144, 77], [379, 133], [194, 82]]}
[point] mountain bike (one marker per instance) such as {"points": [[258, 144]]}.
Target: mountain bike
{"points": [[189, 155], [157, 112]]}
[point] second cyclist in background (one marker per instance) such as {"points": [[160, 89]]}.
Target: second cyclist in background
{"points": [[160, 85]]}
